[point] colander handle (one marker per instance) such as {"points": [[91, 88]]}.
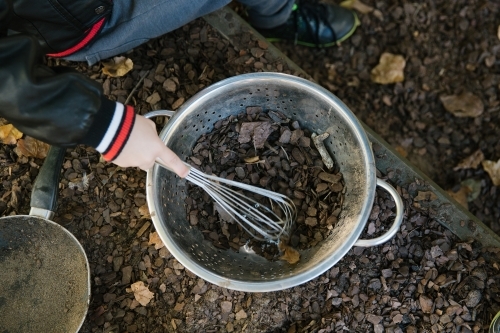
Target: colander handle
{"points": [[397, 221]]}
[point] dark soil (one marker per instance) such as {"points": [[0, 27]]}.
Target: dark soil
{"points": [[423, 280]]}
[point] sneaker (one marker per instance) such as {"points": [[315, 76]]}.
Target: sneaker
{"points": [[315, 24]]}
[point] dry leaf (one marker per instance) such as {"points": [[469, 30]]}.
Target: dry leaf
{"points": [[252, 159], [31, 147], [154, 239], [9, 134], [256, 131], [461, 195], [144, 211], [425, 196], [463, 105], [141, 293], [290, 255], [357, 5], [82, 184], [471, 162], [401, 150], [117, 67], [493, 169], [390, 69]]}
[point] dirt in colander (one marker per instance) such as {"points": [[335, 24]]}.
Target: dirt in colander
{"points": [[268, 150]]}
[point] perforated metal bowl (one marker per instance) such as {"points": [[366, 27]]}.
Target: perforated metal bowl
{"points": [[314, 108]]}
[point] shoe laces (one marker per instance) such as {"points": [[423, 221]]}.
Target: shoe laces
{"points": [[307, 10]]}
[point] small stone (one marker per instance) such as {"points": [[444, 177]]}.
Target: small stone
{"points": [[105, 230], [374, 319], [425, 304], [226, 306], [387, 273], [473, 298], [311, 211], [375, 284], [126, 275], [169, 85], [336, 301], [240, 315], [117, 263], [311, 221], [285, 136]]}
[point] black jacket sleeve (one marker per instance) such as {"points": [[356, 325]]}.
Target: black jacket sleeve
{"points": [[62, 109]]}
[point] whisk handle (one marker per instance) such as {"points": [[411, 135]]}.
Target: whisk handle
{"points": [[157, 113], [162, 113], [160, 163]]}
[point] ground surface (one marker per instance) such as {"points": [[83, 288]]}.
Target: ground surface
{"points": [[424, 280], [450, 47]]}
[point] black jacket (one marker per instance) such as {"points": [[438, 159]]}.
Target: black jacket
{"points": [[58, 106]]}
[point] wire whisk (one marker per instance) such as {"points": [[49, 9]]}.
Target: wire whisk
{"points": [[267, 221]]}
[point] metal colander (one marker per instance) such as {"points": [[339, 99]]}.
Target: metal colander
{"points": [[317, 110]]}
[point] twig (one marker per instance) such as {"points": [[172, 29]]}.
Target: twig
{"points": [[136, 86], [318, 142], [288, 158]]}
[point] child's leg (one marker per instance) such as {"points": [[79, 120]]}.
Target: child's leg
{"points": [[134, 22], [265, 14]]}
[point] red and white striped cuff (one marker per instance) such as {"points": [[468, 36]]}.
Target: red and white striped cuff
{"points": [[118, 132]]}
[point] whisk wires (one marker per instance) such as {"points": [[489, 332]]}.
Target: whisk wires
{"points": [[260, 221]]}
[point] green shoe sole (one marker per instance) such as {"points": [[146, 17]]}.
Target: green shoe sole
{"points": [[349, 34]]}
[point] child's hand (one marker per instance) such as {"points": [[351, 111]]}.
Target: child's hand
{"points": [[144, 147]]}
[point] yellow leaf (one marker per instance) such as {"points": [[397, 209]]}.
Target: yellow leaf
{"points": [[290, 255], [493, 169], [9, 134], [402, 151], [425, 196], [357, 5], [154, 239], [252, 159], [117, 67], [141, 293], [461, 196], [144, 211], [390, 69], [31, 147]]}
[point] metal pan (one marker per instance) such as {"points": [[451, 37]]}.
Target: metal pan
{"points": [[44, 272]]}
